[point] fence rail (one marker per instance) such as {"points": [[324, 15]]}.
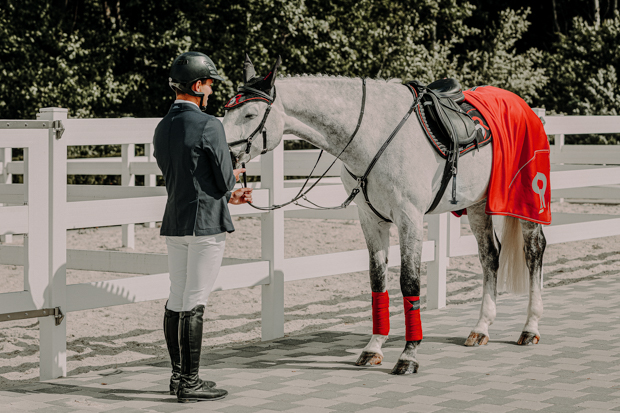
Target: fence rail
{"points": [[44, 207]]}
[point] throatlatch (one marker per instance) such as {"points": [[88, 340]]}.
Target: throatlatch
{"points": [[381, 313], [413, 324]]}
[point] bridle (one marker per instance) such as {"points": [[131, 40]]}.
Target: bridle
{"points": [[238, 100], [251, 93], [361, 181]]}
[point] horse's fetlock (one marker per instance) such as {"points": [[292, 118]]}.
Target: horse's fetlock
{"points": [[375, 344], [531, 326], [407, 357]]}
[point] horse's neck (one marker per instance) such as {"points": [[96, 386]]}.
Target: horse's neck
{"points": [[325, 111]]}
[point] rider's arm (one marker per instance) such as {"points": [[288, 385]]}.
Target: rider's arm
{"points": [[214, 139]]}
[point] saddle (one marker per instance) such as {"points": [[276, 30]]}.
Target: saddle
{"points": [[441, 100], [448, 122]]}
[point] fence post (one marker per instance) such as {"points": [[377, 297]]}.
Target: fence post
{"points": [[149, 180], [436, 270], [272, 246], [454, 234], [128, 153], [6, 156], [558, 143], [558, 140], [53, 338]]}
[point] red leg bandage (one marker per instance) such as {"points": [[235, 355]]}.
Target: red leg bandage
{"points": [[381, 313], [413, 324]]}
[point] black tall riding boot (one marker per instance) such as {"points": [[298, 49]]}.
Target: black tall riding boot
{"points": [[191, 388], [171, 333]]}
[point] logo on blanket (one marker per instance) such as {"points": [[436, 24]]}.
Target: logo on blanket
{"points": [[540, 177]]}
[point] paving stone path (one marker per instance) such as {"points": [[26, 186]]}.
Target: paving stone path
{"points": [[575, 368]]}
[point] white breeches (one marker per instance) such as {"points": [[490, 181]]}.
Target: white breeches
{"points": [[194, 263]]}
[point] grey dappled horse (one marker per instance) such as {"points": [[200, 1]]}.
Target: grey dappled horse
{"points": [[324, 110]]}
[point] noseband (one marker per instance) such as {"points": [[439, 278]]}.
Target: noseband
{"points": [[245, 95]]}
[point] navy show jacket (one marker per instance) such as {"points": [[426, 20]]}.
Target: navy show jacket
{"points": [[191, 151]]}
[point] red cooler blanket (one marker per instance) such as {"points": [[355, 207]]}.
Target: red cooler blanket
{"points": [[520, 185]]}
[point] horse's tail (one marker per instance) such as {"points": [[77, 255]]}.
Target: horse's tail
{"points": [[513, 275]]}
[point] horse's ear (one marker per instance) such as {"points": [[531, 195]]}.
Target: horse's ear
{"points": [[270, 79], [248, 69]]}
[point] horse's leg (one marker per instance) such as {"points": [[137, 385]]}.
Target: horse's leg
{"points": [[378, 241], [481, 225], [535, 244], [410, 231]]}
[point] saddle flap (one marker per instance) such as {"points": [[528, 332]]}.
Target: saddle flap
{"points": [[455, 123], [435, 115]]}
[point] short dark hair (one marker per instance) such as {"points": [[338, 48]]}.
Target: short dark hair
{"points": [[189, 85]]}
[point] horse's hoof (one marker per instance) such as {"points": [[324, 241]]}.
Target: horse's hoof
{"points": [[528, 338], [476, 339], [374, 359], [405, 367]]}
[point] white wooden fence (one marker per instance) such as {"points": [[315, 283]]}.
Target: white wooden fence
{"points": [[44, 207]]}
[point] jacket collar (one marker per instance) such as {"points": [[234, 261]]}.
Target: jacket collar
{"points": [[183, 105]]}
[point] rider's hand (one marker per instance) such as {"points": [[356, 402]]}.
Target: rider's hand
{"points": [[241, 196], [238, 172]]}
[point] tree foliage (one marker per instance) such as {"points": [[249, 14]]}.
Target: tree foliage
{"points": [[496, 61], [586, 64], [110, 58]]}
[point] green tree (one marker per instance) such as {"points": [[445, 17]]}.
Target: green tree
{"points": [[585, 66], [496, 62]]}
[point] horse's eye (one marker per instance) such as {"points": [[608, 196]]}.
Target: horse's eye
{"points": [[250, 115]]}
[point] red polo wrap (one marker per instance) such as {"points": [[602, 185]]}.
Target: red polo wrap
{"points": [[413, 324], [381, 313]]}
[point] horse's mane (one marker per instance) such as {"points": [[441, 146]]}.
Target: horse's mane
{"points": [[337, 77]]}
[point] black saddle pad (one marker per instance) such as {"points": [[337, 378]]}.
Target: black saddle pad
{"points": [[438, 138]]}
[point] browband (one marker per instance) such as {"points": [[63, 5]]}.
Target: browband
{"points": [[242, 98], [247, 94]]}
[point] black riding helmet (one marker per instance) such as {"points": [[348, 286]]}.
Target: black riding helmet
{"points": [[188, 68]]}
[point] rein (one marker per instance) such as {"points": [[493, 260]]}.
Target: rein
{"points": [[362, 182], [302, 194]]}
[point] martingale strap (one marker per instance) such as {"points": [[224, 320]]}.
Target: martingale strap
{"points": [[362, 182]]}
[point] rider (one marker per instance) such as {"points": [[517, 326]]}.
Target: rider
{"points": [[192, 153]]}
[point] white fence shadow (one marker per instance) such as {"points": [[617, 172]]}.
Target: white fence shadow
{"points": [[44, 207]]}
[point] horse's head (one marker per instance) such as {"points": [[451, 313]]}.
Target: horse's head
{"points": [[253, 123]]}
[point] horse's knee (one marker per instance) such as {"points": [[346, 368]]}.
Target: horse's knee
{"points": [[378, 272], [410, 280]]}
